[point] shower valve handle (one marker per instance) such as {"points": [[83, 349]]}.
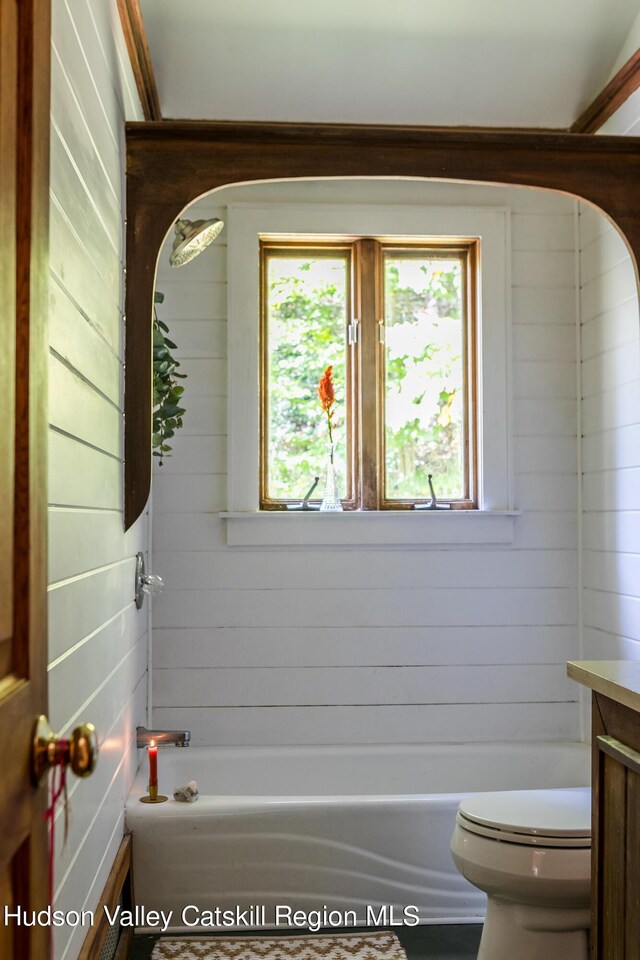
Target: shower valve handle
{"points": [[152, 584]]}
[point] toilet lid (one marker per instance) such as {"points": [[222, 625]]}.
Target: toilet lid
{"points": [[548, 818]]}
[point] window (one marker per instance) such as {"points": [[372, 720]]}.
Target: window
{"points": [[255, 228], [396, 320]]}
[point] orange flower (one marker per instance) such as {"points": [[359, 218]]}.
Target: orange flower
{"points": [[326, 391], [327, 398]]}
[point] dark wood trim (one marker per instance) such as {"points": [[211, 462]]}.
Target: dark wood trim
{"points": [[135, 37], [118, 884], [614, 861], [619, 89], [170, 164]]}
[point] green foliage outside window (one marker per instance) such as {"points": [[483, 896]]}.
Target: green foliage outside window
{"points": [[424, 377], [306, 333]]}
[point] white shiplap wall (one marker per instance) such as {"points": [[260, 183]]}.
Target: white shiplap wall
{"points": [[348, 645], [97, 639], [611, 429]]}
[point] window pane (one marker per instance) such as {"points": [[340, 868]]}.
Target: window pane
{"points": [[424, 370], [306, 310]]}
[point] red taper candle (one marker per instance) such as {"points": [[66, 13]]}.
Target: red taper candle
{"points": [[153, 764]]}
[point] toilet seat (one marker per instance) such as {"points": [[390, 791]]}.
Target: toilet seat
{"points": [[544, 818]]}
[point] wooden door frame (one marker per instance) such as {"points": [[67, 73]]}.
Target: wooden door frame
{"points": [[170, 164], [25, 241]]}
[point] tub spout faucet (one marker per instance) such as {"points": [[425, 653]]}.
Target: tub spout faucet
{"points": [[179, 738]]}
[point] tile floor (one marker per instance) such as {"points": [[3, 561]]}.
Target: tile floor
{"points": [[428, 942]]}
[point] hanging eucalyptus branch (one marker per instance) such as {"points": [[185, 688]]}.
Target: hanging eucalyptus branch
{"points": [[167, 412]]}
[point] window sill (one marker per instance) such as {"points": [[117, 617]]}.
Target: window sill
{"points": [[372, 528]]}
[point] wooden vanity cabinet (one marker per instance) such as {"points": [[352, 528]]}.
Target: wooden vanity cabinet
{"points": [[615, 869]]}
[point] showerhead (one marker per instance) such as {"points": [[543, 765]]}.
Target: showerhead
{"points": [[191, 238]]}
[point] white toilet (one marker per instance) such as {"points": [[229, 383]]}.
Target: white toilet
{"points": [[530, 851]]}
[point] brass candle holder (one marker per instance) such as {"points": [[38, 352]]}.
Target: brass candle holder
{"points": [[153, 796]]}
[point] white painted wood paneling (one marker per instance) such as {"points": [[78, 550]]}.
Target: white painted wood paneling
{"points": [[546, 492], [443, 723], [543, 417], [554, 379], [531, 231], [610, 369], [98, 232], [81, 475], [613, 408], [200, 493], [612, 572], [97, 639], [76, 341], [612, 530], [356, 608], [613, 612], [194, 455], [618, 445], [97, 169], [611, 432], [207, 417], [614, 486], [544, 306], [555, 453], [207, 378], [95, 660], [391, 569], [97, 539], [196, 301], [605, 252], [608, 289], [543, 268], [547, 529], [250, 647], [118, 750], [80, 272], [610, 329], [250, 642], [532, 341], [354, 686], [203, 338], [80, 606], [78, 409], [603, 645]]}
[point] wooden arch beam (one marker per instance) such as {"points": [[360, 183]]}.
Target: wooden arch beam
{"points": [[171, 164]]}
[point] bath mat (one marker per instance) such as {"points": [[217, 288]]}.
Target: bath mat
{"points": [[381, 945]]}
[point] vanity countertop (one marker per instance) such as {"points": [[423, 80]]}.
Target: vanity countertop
{"points": [[617, 679]]}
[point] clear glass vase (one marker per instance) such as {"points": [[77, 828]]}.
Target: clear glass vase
{"points": [[330, 498]]}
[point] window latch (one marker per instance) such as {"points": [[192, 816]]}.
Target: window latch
{"points": [[381, 331], [352, 332]]}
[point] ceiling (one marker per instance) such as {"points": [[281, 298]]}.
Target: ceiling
{"points": [[452, 62]]}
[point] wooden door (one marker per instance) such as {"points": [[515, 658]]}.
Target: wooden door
{"points": [[24, 204]]}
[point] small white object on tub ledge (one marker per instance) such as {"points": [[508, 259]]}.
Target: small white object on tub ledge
{"points": [[187, 794]]}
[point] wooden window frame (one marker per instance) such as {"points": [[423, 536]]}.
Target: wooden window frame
{"points": [[365, 408]]}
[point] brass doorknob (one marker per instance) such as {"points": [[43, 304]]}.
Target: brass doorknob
{"points": [[80, 751]]}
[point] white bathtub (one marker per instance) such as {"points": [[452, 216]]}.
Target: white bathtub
{"points": [[333, 828]]}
